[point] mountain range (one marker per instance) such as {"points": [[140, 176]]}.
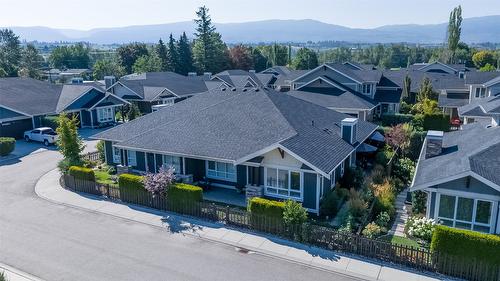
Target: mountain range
{"points": [[474, 30]]}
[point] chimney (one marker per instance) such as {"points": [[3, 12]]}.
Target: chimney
{"points": [[191, 74], [348, 129], [109, 81], [434, 143], [207, 75]]}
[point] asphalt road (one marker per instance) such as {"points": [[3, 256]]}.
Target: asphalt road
{"points": [[56, 242]]}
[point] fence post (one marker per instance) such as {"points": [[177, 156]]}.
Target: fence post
{"points": [[227, 215]]}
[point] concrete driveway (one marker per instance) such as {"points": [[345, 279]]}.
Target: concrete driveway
{"points": [[57, 242]]}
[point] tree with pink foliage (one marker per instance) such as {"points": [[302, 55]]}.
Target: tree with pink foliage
{"points": [[399, 136], [159, 183]]}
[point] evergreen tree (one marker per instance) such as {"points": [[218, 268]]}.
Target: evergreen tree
{"points": [[10, 53], [185, 55], [173, 54], [162, 52], [210, 53], [107, 67], [128, 54], [454, 31], [69, 142], [31, 62], [77, 56], [147, 63], [259, 61], [406, 94]]}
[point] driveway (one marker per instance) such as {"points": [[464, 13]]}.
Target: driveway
{"points": [[56, 242]]}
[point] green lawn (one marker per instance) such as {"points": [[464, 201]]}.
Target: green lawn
{"points": [[103, 177], [401, 241]]}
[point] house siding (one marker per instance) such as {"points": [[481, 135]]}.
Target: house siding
{"points": [[15, 129], [310, 191], [196, 168], [475, 186], [85, 117], [322, 71], [151, 162], [241, 176], [140, 159], [159, 162], [109, 152]]}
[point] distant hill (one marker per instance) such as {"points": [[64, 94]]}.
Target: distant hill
{"points": [[474, 30]]}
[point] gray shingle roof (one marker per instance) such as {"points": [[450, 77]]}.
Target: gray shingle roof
{"points": [[230, 125], [149, 84], [483, 107], [480, 77], [333, 98], [440, 81], [463, 151], [363, 75], [388, 95], [451, 99]]}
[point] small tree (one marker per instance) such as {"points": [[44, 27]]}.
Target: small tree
{"points": [[133, 112], [399, 136], [69, 142], [100, 149], [294, 213], [159, 183]]}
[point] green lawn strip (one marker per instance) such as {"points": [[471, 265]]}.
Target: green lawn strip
{"points": [[104, 178], [398, 240]]}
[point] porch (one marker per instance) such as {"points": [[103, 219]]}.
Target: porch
{"points": [[225, 196]]}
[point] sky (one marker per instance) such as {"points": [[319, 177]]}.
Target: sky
{"points": [[88, 14]]}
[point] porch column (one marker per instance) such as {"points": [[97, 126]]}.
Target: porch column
{"points": [[91, 119]]}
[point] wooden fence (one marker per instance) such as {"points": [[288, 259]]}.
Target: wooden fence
{"points": [[315, 235], [92, 156]]}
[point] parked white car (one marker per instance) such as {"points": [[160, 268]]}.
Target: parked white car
{"points": [[43, 134]]}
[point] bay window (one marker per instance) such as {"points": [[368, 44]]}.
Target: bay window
{"points": [[465, 213], [220, 170], [105, 114], [283, 183], [172, 161]]}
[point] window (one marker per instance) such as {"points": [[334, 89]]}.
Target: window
{"points": [[117, 157], [105, 114], [480, 92], [367, 88], [172, 161], [283, 183], [220, 170], [465, 213], [131, 158], [168, 101]]}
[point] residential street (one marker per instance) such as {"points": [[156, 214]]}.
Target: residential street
{"points": [[55, 242]]}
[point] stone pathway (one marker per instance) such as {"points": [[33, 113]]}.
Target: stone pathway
{"points": [[398, 228]]}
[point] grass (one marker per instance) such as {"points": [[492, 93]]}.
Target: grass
{"points": [[104, 178], [398, 240]]}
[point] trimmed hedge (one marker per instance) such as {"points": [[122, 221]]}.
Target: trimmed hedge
{"points": [[438, 122], [131, 182], [265, 207], [395, 119], [50, 121], [82, 173], [181, 192], [466, 243], [7, 145]]}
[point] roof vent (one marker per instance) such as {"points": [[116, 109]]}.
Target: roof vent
{"points": [[233, 89], [312, 123], [244, 90], [257, 90], [223, 89]]}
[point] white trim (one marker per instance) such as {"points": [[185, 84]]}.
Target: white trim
{"points": [[105, 109], [256, 153], [235, 179], [437, 62], [14, 119], [289, 170], [162, 91], [305, 162], [81, 95], [17, 111], [451, 178], [105, 97], [319, 67], [323, 79], [133, 92], [129, 153]]}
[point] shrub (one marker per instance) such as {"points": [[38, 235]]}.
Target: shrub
{"points": [[384, 198], [357, 206], [7, 145], [294, 213], [131, 182], [353, 178], [185, 193], [395, 119], [416, 141], [418, 202], [382, 157], [330, 204], [100, 148], [82, 173], [378, 174], [466, 243], [420, 227], [383, 219], [372, 230], [438, 121], [265, 207], [50, 121], [403, 169], [159, 183]]}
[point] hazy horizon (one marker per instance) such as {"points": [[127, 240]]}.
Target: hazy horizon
{"points": [[91, 14]]}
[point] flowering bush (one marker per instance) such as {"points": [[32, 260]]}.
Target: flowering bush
{"points": [[420, 227], [159, 183], [372, 230], [383, 219]]}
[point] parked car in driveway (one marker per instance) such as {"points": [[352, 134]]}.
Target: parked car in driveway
{"points": [[43, 134]]}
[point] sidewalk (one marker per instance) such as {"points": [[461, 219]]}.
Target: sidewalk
{"points": [[13, 274], [245, 241]]}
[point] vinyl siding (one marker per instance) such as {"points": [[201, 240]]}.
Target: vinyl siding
{"points": [[310, 191]]}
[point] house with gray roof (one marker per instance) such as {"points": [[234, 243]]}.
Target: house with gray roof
{"points": [[150, 89], [355, 89], [459, 173], [244, 138], [486, 110], [24, 102]]}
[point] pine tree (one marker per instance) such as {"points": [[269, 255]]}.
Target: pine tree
{"points": [[454, 31], [173, 55], [162, 52], [185, 55]]}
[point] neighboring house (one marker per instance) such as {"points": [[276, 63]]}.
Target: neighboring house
{"points": [[55, 75], [284, 146], [156, 88], [348, 88], [482, 84], [25, 101], [284, 77], [237, 78], [438, 67], [485, 110], [459, 171]]}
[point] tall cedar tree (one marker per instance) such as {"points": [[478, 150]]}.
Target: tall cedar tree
{"points": [[209, 52], [10, 53], [185, 55], [241, 57], [173, 54], [162, 52], [128, 54], [259, 61], [454, 31]]}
